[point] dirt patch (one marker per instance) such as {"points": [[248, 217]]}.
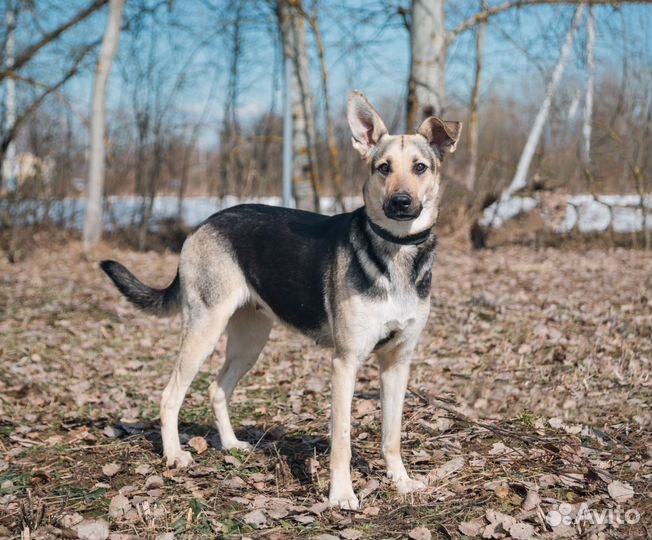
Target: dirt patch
{"points": [[531, 389]]}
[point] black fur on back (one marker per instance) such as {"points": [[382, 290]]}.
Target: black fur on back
{"points": [[156, 301], [286, 256]]}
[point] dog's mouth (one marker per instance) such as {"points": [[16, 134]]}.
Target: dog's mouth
{"points": [[402, 214]]}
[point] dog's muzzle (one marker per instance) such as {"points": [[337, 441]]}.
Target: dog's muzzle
{"points": [[402, 207]]}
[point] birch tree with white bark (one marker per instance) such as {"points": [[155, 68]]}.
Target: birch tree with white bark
{"points": [[305, 176], [520, 177], [92, 231], [9, 164], [428, 52], [588, 102]]}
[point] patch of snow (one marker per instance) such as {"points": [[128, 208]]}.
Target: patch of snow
{"points": [[501, 211], [584, 212], [122, 211]]}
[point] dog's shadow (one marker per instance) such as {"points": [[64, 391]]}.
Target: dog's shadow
{"points": [[292, 451]]}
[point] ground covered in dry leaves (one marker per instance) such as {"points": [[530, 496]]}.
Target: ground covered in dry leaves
{"points": [[528, 415]]}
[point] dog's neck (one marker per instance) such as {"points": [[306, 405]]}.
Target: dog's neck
{"points": [[413, 239], [404, 260]]}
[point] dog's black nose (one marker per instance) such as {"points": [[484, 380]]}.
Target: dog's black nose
{"points": [[401, 206], [400, 203]]}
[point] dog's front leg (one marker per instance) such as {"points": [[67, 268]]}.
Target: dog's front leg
{"points": [[394, 373], [343, 383]]}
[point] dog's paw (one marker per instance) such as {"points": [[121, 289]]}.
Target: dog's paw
{"points": [[408, 485], [181, 460], [346, 500], [240, 445]]}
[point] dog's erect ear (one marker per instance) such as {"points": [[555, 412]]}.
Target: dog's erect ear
{"points": [[441, 134], [366, 125]]}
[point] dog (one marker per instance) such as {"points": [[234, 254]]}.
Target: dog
{"points": [[357, 282]]}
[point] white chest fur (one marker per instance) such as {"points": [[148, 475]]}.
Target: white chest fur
{"points": [[370, 321]]}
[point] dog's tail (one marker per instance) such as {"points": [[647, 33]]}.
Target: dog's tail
{"points": [[159, 302]]}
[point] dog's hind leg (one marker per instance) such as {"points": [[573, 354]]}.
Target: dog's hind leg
{"points": [[248, 331], [202, 328]]}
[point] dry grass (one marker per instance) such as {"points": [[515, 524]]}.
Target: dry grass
{"points": [[533, 378]]}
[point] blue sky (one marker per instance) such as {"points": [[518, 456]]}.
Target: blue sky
{"points": [[520, 49]]}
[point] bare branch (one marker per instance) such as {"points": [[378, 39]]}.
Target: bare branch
{"points": [[486, 14], [25, 56], [11, 131]]}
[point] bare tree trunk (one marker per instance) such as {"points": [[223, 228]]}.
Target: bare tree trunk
{"points": [[588, 104], [302, 69], [333, 152], [473, 131], [428, 51], [520, 178], [95, 188], [230, 163], [305, 181], [474, 206], [142, 129], [288, 170], [185, 164], [640, 190], [8, 168], [185, 172], [151, 182]]}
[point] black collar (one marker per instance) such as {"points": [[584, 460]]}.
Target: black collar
{"points": [[411, 239]]}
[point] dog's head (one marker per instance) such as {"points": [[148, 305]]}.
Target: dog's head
{"points": [[402, 191]]}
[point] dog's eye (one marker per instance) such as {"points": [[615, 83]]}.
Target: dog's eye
{"points": [[420, 168], [383, 169]]}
